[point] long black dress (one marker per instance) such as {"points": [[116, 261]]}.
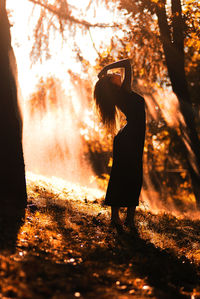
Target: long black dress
{"points": [[126, 176]]}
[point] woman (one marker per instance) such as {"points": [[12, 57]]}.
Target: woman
{"points": [[125, 182]]}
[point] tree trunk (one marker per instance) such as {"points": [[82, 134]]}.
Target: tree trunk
{"points": [[13, 197], [173, 45]]}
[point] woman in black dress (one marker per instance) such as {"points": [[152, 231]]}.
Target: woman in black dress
{"points": [[125, 182]]}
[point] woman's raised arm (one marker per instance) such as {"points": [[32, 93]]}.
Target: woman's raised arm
{"points": [[124, 63]]}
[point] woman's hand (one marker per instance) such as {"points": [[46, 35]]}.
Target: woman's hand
{"points": [[102, 72]]}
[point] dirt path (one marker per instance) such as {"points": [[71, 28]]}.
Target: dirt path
{"points": [[67, 249]]}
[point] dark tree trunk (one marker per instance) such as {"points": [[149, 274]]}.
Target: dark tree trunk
{"points": [[13, 197], [173, 45]]}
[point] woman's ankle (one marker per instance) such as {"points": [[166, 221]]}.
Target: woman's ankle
{"points": [[130, 216], [115, 215], [130, 213]]}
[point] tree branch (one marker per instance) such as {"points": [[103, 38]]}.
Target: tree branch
{"points": [[174, 58], [70, 18], [163, 23]]}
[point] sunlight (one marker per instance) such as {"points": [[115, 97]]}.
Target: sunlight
{"points": [[87, 119], [62, 54], [93, 11], [22, 41], [21, 32], [63, 188]]}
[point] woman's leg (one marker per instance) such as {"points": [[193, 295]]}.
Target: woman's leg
{"points": [[130, 217], [115, 220], [115, 215]]}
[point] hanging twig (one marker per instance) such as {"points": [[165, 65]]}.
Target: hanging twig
{"points": [[93, 43]]}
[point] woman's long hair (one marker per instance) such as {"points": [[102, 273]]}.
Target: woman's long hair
{"points": [[106, 96]]}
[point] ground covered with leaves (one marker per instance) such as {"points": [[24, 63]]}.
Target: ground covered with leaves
{"points": [[67, 249]]}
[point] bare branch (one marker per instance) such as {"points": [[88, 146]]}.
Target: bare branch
{"points": [[70, 18]]}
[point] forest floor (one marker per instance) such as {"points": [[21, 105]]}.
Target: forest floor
{"points": [[67, 249]]}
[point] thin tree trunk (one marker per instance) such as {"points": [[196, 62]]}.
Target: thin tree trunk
{"points": [[173, 45]]}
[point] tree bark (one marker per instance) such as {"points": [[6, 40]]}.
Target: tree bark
{"points": [[173, 46], [2, 5], [13, 197]]}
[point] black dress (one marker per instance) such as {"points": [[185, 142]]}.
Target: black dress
{"points": [[126, 176]]}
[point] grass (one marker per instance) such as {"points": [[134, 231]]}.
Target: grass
{"points": [[67, 249]]}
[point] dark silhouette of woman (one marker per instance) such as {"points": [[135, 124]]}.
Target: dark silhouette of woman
{"points": [[125, 183]]}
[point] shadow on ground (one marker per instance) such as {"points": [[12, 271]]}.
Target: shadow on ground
{"points": [[97, 262], [67, 249]]}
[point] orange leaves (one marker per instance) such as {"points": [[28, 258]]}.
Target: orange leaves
{"points": [[191, 10], [193, 41]]}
